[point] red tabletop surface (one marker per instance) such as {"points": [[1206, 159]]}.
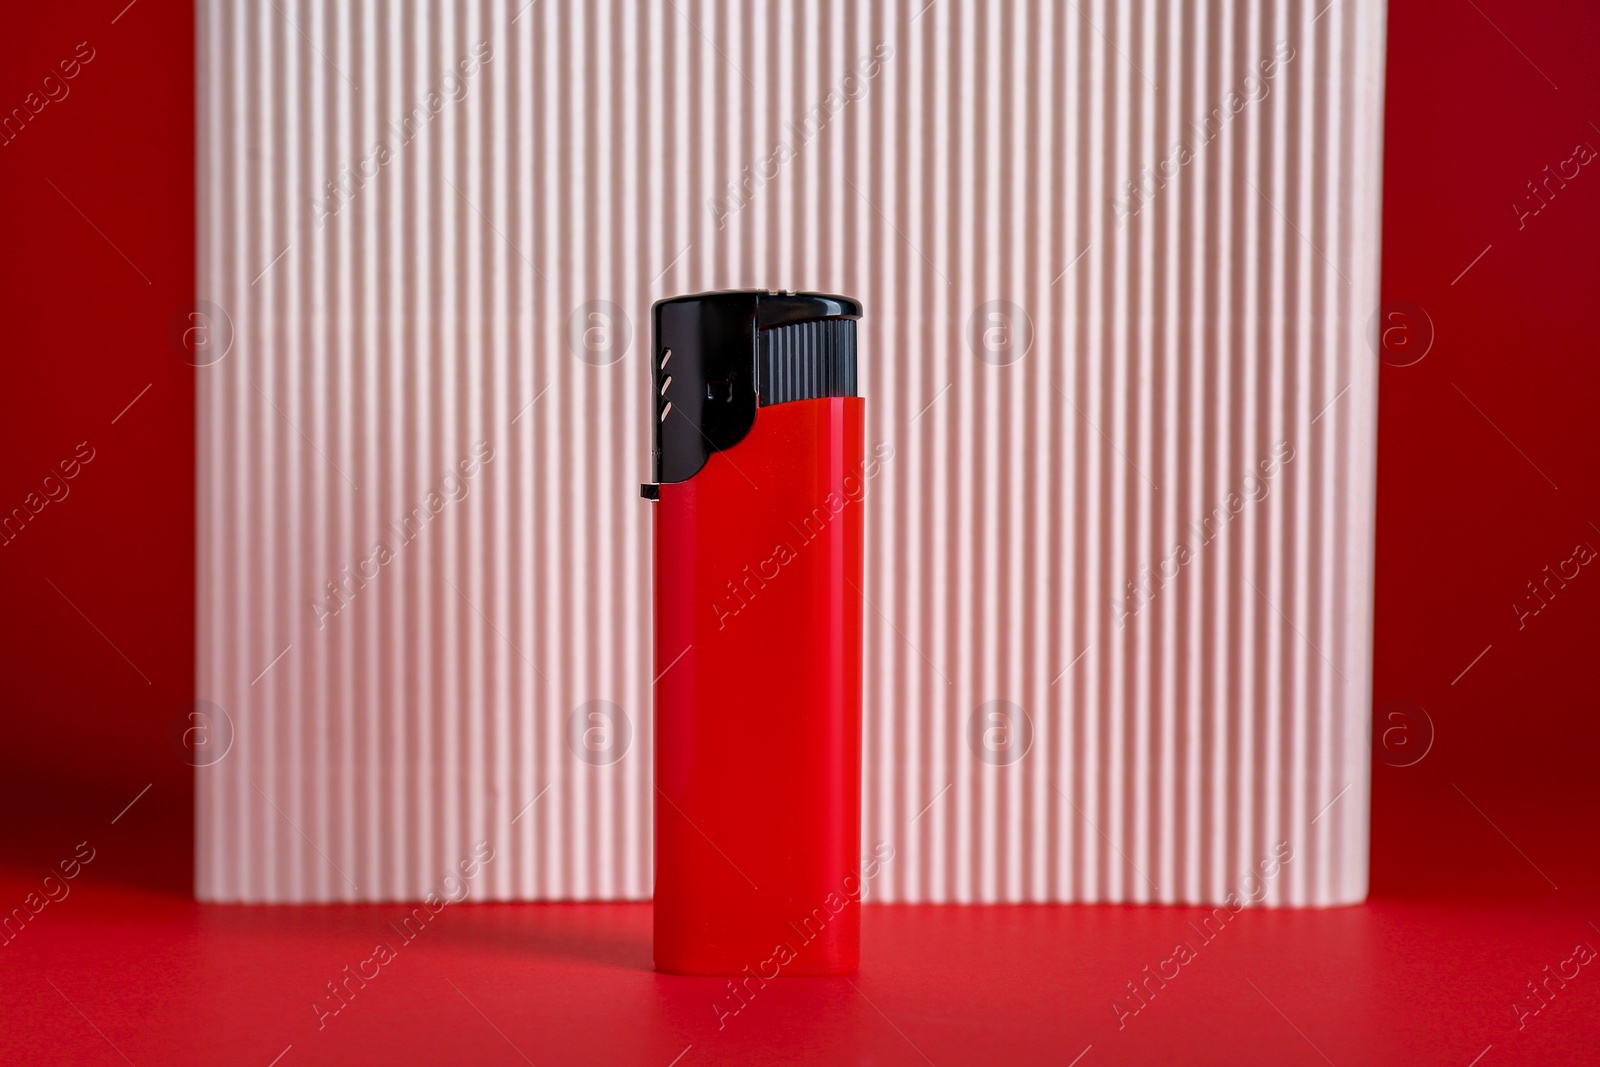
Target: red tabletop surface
{"points": [[127, 968]]}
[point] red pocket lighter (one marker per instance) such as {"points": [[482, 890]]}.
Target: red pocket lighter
{"points": [[758, 499]]}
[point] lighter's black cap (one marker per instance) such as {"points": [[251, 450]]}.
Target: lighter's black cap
{"points": [[718, 357]]}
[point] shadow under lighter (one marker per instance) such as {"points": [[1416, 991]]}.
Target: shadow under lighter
{"points": [[759, 491]]}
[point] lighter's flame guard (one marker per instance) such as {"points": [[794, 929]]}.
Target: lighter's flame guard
{"points": [[759, 492]]}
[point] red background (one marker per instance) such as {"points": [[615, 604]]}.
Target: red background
{"points": [[97, 198], [1484, 867]]}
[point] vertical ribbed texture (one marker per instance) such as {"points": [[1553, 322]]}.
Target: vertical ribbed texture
{"points": [[806, 360], [1077, 542]]}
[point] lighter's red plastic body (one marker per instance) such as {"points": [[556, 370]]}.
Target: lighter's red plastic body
{"points": [[758, 701]]}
